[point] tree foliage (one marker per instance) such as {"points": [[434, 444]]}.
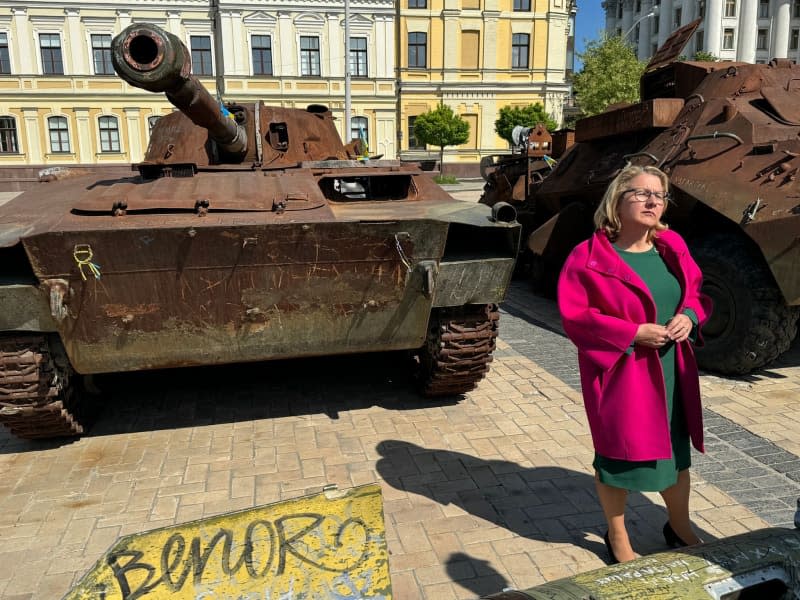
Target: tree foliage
{"points": [[528, 116], [703, 56], [610, 75], [441, 127]]}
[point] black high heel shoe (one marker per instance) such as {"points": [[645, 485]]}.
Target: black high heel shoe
{"points": [[672, 539], [612, 560]]}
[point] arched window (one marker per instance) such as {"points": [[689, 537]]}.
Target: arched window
{"points": [[59, 134], [109, 134], [359, 129], [8, 135]]}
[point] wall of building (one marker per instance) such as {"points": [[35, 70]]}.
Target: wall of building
{"points": [[737, 30], [81, 96], [476, 87]]}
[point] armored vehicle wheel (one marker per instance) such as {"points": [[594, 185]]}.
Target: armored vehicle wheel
{"points": [[750, 324], [458, 350], [39, 397]]}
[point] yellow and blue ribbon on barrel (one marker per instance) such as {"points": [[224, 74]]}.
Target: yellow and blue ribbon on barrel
{"points": [[82, 253]]}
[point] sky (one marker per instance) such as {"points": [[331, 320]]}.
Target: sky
{"points": [[589, 23]]}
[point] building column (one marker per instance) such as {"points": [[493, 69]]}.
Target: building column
{"points": [[133, 126], [83, 137], [285, 47], [450, 43], [174, 24], [26, 58], [783, 19], [556, 47], [627, 15], [489, 41], [336, 57], [123, 18], [713, 27], [665, 21], [33, 138], [645, 27], [747, 30], [75, 59]]}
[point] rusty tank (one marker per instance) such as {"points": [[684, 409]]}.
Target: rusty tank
{"points": [[247, 233], [726, 133]]}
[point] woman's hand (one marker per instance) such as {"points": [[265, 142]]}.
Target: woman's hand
{"points": [[679, 327], [652, 335]]}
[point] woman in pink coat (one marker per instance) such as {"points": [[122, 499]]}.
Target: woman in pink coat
{"points": [[630, 301]]}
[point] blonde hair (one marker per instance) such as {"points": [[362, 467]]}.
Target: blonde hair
{"points": [[606, 216]]}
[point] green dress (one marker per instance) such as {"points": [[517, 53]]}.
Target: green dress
{"points": [[654, 475]]}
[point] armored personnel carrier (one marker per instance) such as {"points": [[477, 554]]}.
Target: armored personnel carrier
{"points": [[726, 133], [248, 233]]}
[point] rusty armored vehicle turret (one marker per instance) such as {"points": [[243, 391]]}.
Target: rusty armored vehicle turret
{"points": [[247, 233], [726, 133]]}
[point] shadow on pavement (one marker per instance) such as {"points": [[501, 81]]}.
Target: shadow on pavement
{"points": [[549, 504], [196, 396]]}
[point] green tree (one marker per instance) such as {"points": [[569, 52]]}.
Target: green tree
{"points": [[527, 116], [703, 56], [441, 127], [610, 74]]}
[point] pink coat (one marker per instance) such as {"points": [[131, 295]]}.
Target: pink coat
{"points": [[602, 303]]}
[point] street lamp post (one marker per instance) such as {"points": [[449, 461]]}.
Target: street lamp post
{"points": [[637, 21]]}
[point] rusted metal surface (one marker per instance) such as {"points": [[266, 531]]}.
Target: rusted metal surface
{"points": [[458, 350], [659, 112], [37, 399], [215, 253]]}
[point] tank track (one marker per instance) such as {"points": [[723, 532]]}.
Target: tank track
{"points": [[37, 398], [458, 350]]}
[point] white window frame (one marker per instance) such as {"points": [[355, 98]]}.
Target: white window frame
{"points": [[100, 136]]}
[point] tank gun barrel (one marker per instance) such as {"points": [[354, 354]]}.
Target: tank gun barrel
{"points": [[150, 58]]}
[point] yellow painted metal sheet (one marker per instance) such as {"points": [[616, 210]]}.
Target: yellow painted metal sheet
{"points": [[330, 545]]}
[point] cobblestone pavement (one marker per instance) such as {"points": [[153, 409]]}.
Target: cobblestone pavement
{"points": [[481, 492]]}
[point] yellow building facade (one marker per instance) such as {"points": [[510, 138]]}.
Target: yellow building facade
{"points": [[477, 56], [62, 104]]}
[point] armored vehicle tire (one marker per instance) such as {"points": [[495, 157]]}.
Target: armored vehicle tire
{"points": [[40, 395], [458, 350], [750, 324]]}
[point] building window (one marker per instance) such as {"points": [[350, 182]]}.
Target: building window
{"points": [[358, 56], [309, 55], [727, 39], [413, 144], [262, 54], [201, 55], [470, 49], [761, 39], [522, 5], [151, 122], [763, 9], [678, 17], [359, 129], [101, 53], [59, 134], [796, 9], [701, 9], [417, 3], [5, 60], [519, 50], [8, 135], [637, 6], [50, 45], [794, 40], [417, 50], [636, 35], [698, 41], [730, 8], [619, 10], [109, 134], [655, 25]]}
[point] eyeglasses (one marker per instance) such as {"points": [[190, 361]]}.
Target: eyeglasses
{"points": [[642, 195]]}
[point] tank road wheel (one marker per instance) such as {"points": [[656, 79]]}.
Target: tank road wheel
{"points": [[458, 350], [750, 324], [38, 398]]}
